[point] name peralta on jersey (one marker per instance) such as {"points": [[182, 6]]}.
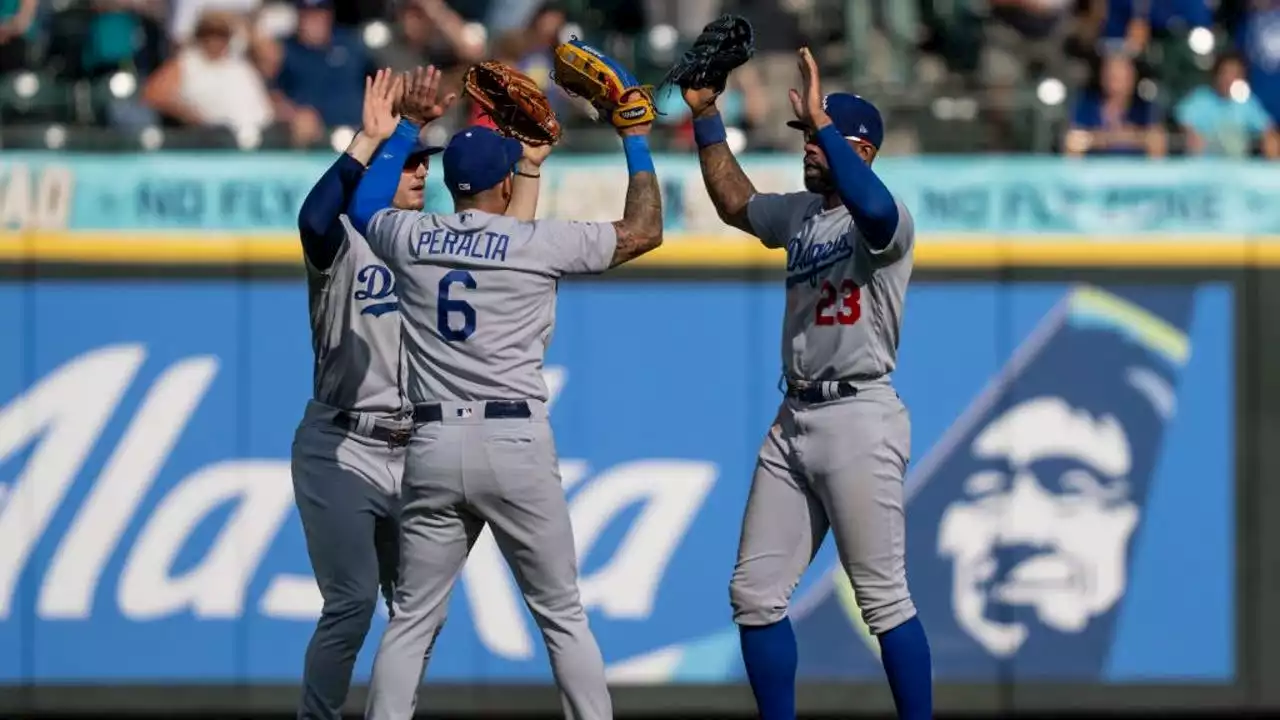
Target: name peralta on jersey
{"points": [[844, 299], [478, 296]]}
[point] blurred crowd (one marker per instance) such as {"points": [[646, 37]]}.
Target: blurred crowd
{"points": [[1079, 77]]}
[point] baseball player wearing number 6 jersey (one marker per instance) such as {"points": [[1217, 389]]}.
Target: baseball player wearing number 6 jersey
{"points": [[477, 293], [836, 454], [349, 450]]}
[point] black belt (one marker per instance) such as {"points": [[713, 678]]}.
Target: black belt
{"points": [[493, 410], [395, 437], [811, 392]]}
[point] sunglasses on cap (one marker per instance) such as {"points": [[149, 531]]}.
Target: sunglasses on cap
{"points": [[811, 138], [412, 162]]}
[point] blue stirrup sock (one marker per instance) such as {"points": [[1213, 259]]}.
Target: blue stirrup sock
{"points": [[904, 651], [769, 653]]}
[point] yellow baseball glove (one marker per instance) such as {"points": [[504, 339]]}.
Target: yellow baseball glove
{"points": [[585, 72]]}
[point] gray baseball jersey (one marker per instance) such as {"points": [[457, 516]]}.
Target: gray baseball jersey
{"points": [[355, 330], [479, 292], [478, 300], [347, 482], [836, 465], [844, 299]]}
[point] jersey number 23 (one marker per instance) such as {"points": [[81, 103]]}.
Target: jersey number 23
{"points": [[839, 304]]}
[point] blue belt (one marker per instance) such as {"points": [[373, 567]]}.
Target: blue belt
{"points": [[493, 410]]}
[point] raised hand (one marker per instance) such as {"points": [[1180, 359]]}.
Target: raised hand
{"points": [[701, 101], [535, 155], [421, 102], [381, 96], [806, 103]]}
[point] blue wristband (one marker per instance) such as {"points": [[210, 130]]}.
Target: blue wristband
{"points": [[709, 131], [636, 148]]}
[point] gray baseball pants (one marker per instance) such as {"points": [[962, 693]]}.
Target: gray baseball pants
{"points": [[463, 472], [346, 485], [838, 466]]}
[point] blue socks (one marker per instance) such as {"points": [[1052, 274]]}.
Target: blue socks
{"points": [[904, 651], [769, 652]]}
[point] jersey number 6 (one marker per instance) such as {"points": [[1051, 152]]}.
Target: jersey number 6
{"points": [[842, 306], [445, 306]]}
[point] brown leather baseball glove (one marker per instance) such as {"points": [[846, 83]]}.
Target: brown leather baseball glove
{"points": [[514, 101]]}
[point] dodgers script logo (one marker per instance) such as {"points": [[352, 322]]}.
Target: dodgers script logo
{"points": [[376, 288], [807, 258]]}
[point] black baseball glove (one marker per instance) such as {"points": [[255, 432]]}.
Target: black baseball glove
{"points": [[724, 44]]}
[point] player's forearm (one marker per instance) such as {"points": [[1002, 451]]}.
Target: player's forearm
{"points": [[640, 229], [727, 184], [378, 187], [868, 200], [319, 223], [525, 188], [363, 148]]}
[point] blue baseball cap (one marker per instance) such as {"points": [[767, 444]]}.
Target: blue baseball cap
{"points": [[420, 151], [855, 117], [478, 158]]}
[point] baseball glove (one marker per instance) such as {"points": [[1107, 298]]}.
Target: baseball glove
{"points": [[583, 71], [517, 105], [724, 44]]}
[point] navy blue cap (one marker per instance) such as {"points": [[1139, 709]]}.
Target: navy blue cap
{"points": [[478, 158], [855, 117]]}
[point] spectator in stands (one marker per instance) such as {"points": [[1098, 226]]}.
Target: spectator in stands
{"points": [[778, 33], [209, 84], [428, 32], [17, 30], [318, 74], [532, 51], [1131, 23], [125, 34], [505, 16], [688, 17], [184, 15], [1259, 40], [541, 37], [354, 13], [1226, 118], [1112, 119]]}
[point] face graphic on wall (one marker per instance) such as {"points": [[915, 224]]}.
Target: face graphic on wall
{"points": [[1041, 532]]}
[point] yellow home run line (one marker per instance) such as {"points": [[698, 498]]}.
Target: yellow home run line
{"points": [[932, 251]]}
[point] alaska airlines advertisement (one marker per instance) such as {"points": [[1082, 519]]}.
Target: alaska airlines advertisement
{"points": [[1070, 498]]}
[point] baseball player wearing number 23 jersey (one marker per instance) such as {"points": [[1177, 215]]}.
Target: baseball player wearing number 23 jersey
{"points": [[836, 454]]}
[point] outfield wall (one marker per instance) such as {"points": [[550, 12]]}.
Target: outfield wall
{"points": [[159, 359]]}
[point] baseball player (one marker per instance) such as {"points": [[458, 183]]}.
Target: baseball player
{"points": [[837, 452], [478, 294], [349, 449]]}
